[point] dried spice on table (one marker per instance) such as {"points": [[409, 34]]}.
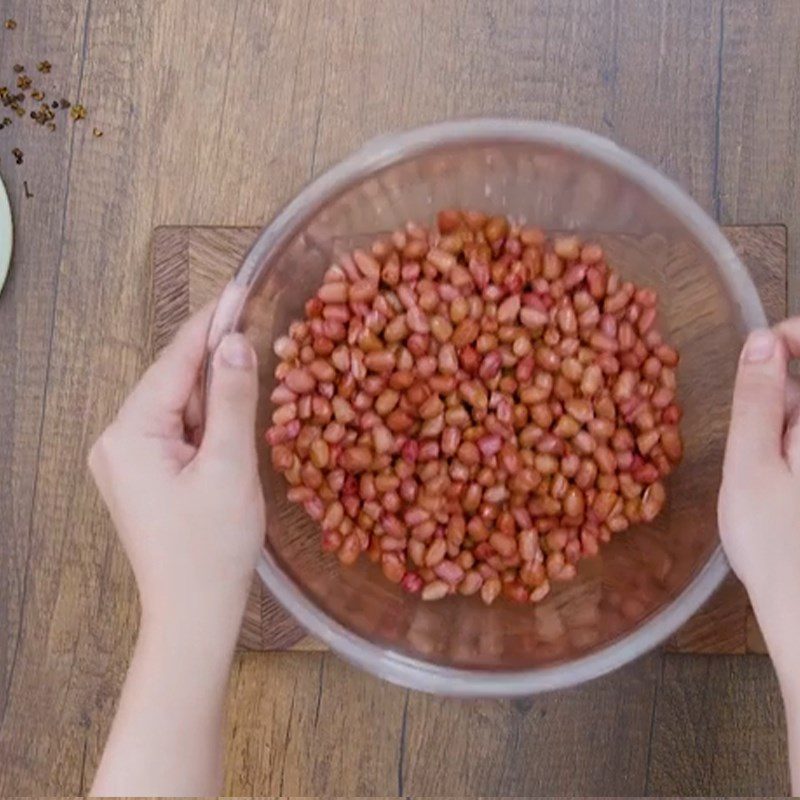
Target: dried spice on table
{"points": [[44, 114]]}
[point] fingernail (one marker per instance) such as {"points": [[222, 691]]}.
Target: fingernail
{"points": [[236, 351], [759, 347]]}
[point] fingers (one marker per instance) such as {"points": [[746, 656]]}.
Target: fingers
{"points": [[158, 401], [232, 400], [759, 404], [789, 332]]}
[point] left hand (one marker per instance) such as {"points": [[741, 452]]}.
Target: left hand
{"points": [[190, 517]]}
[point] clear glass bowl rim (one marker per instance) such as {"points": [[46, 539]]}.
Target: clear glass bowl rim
{"points": [[376, 155]]}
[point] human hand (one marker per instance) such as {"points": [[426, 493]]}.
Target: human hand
{"points": [[759, 502], [191, 518]]}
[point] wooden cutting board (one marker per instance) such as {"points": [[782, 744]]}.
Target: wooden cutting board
{"points": [[192, 264]]}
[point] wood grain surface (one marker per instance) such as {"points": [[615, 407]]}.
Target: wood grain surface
{"points": [[217, 114], [190, 266]]}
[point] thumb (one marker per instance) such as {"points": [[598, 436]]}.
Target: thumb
{"points": [[757, 417], [232, 399]]}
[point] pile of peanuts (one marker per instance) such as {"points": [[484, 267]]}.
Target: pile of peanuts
{"points": [[475, 407]]}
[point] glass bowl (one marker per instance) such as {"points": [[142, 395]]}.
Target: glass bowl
{"points": [[648, 581]]}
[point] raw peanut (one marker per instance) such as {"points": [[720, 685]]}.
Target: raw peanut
{"points": [[601, 429], [411, 583], [417, 320], [574, 503], [580, 409], [546, 464], [592, 381], [667, 355], [604, 504], [533, 318], [586, 474], [333, 292], [507, 311], [300, 381], [547, 359], [646, 441], [566, 427], [435, 553], [491, 365], [624, 386], [452, 397], [399, 421], [380, 361], [356, 459], [465, 333], [441, 259], [570, 465], [527, 544], [503, 543], [282, 394], [392, 567], [489, 445], [605, 458], [603, 342], [284, 414], [626, 336], [448, 220], [396, 330], [572, 370], [490, 590], [319, 453], [449, 572], [646, 321], [367, 265], [349, 550], [435, 590], [441, 328], [584, 443], [471, 583], [567, 247], [618, 523], [286, 348], [671, 442], [386, 402], [653, 501], [331, 540]]}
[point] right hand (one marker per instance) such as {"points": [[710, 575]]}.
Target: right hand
{"points": [[759, 501]]}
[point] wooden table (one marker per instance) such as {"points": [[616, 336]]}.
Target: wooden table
{"points": [[217, 113]]}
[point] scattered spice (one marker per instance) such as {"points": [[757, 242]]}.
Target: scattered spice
{"points": [[44, 113], [28, 193]]}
